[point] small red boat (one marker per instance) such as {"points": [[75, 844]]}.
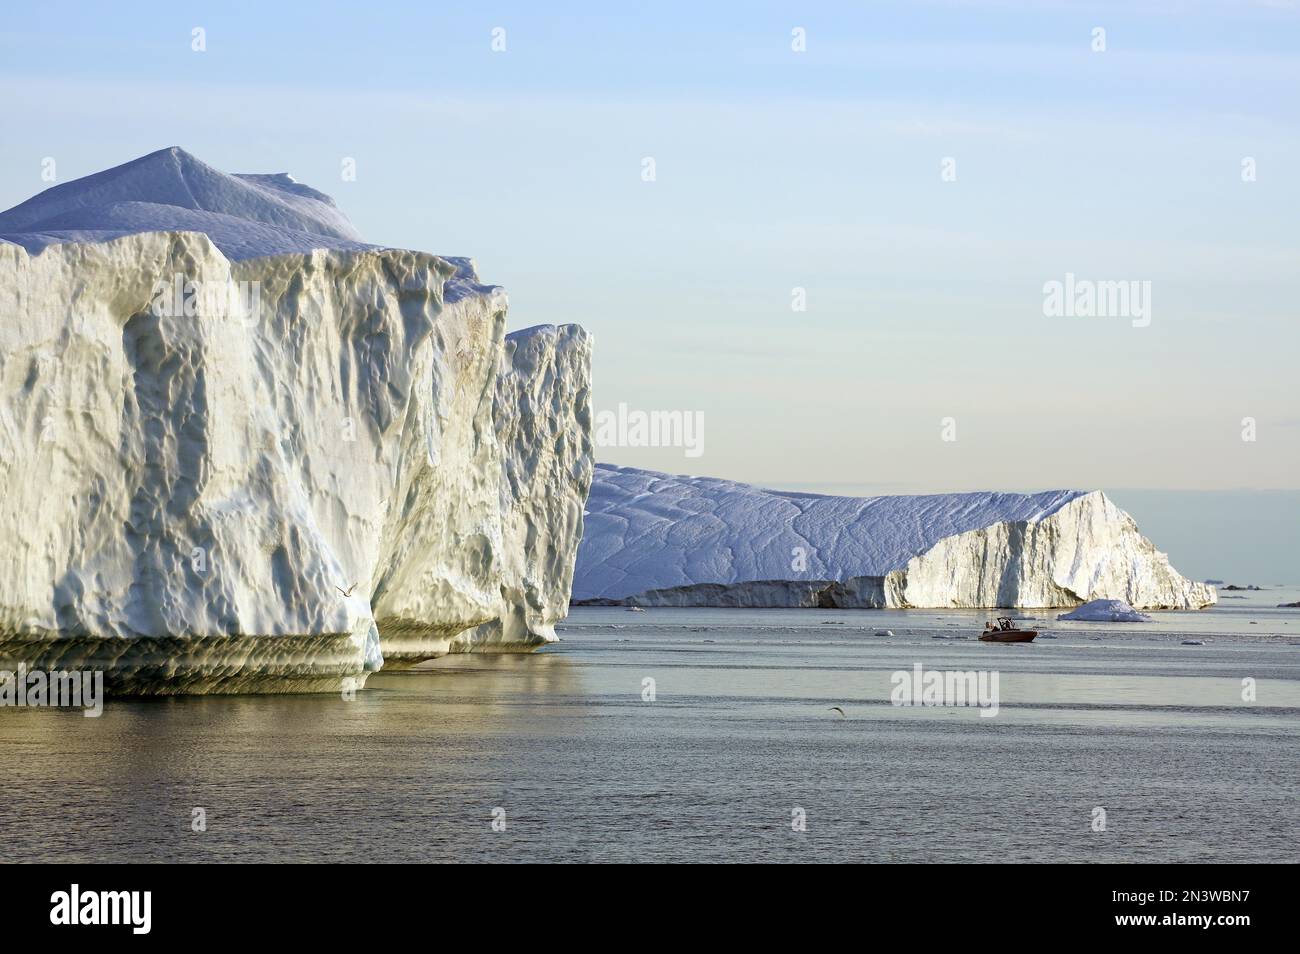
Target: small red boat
{"points": [[1005, 632]]}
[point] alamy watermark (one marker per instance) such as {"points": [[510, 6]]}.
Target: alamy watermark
{"points": [[184, 297], [946, 687], [130, 908], [632, 428], [1084, 298], [62, 689]]}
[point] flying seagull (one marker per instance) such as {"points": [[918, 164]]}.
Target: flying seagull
{"points": [[348, 591], [836, 709]]}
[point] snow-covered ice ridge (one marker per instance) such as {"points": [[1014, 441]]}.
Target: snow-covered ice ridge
{"points": [[658, 539], [272, 492]]}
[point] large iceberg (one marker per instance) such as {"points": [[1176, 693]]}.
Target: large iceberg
{"points": [[655, 539], [244, 450]]}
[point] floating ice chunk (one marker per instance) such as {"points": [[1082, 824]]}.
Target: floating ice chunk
{"points": [[1106, 611]]}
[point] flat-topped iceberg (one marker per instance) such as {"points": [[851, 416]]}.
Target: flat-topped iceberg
{"points": [[658, 539], [243, 450]]}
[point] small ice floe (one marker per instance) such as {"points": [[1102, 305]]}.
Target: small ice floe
{"points": [[1193, 642], [1046, 635], [635, 609], [1106, 611], [884, 632]]}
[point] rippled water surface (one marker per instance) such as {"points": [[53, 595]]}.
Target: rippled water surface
{"points": [[740, 734]]}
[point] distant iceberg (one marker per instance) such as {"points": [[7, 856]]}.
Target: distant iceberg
{"points": [[656, 539]]}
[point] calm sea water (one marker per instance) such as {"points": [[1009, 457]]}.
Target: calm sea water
{"points": [[739, 736]]}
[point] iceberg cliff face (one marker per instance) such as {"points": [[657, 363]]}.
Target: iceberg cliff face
{"points": [[542, 415], [1086, 549], [656, 539], [243, 450]]}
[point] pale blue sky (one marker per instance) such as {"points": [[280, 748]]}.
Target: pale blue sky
{"points": [[778, 169]]}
